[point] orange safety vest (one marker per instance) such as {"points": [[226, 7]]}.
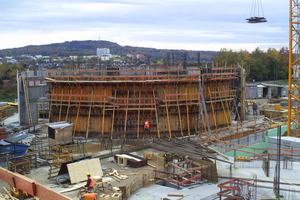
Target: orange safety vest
{"points": [[147, 125], [89, 195], [92, 182]]}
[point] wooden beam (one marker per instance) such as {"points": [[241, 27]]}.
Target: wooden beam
{"points": [[113, 119], [212, 108], [156, 115], [62, 92], [170, 135], [75, 126], [67, 115], [223, 107], [30, 186], [89, 117], [126, 114], [103, 116], [187, 114], [138, 122], [179, 115], [50, 106]]}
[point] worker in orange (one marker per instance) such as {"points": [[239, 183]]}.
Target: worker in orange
{"points": [[90, 182], [147, 126], [88, 195]]}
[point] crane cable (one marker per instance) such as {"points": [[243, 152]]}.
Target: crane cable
{"points": [[256, 5]]}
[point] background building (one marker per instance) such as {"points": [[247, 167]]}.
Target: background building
{"points": [[102, 51]]}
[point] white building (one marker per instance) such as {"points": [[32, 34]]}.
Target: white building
{"points": [[102, 51]]}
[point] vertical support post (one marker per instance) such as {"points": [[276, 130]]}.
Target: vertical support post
{"points": [[139, 111], [187, 112], [223, 107], [179, 115], [113, 118], [62, 93], [67, 115], [234, 155], [21, 197], [156, 115], [212, 108], [126, 114], [89, 117], [103, 114], [242, 117], [278, 159], [50, 106], [170, 135], [75, 126]]}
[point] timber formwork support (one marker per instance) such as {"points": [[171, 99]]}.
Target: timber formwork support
{"points": [[118, 103]]}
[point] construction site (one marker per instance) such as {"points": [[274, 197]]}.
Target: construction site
{"points": [[177, 131], [148, 132]]}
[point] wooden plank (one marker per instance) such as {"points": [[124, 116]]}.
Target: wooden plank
{"points": [[113, 119], [223, 107], [103, 116], [44, 193], [30, 186], [212, 108], [50, 106], [75, 187], [169, 127], [126, 114], [156, 116], [78, 170], [67, 115], [75, 126], [21, 181], [138, 123], [62, 92], [187, 114], [89, 117], [179, 115]]}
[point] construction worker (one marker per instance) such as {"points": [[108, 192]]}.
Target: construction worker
{"points": [[90, 182], [89, 195], [254, 107], [238, 112], [147, 126]]}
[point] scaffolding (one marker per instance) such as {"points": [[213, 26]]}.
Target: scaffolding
{"points": [[178, 101]]}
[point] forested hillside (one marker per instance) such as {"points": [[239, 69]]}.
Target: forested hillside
{"points": [[259, 65], [84, 48]]}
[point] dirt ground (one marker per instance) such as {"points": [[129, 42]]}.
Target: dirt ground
{"points": [[40, 174]]}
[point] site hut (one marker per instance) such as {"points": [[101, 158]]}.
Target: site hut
{"points": [[59, 133]]}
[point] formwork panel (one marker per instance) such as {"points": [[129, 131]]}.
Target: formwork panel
{"points": [[95, 95]]}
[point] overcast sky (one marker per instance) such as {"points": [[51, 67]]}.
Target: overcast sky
{"points": [[163, 24]]}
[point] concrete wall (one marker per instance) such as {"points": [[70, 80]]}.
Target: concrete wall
{"points": [[36, 93], [286, 143], [247, 141]]}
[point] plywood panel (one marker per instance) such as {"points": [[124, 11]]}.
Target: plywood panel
{"points": [[78, 170]]}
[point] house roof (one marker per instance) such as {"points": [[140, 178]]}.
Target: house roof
{"points": [[60, 125], [272, 85], [16, 137]]}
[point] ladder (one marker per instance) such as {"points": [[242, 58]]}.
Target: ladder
{"points": [[27, 102]]}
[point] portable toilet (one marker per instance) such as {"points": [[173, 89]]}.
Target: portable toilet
{"points": [[260, 91], [251, 92]]}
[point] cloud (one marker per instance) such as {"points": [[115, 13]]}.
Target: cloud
{"points": [[178, 24]]}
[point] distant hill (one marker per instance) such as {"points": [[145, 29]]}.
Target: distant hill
{"points": [[88, 47]]}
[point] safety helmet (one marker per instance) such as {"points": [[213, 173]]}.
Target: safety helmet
{"points": [[88, 173]]}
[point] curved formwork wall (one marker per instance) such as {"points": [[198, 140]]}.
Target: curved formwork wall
{"points": [[118, 105]]}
